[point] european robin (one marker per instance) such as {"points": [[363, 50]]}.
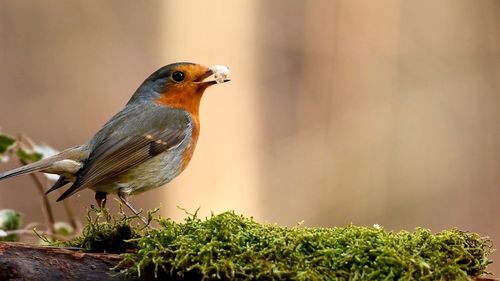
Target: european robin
{"points": [[144, 146]]}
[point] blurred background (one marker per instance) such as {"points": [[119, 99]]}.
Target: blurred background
{"points": [[338, 112]]}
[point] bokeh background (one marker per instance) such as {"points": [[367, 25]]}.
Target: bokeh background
{"points": [[338, 112]]}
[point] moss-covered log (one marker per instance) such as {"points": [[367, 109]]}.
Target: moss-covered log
{"points": [[20, 261], [233, 247]]}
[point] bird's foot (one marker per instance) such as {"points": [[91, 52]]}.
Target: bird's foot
{"points": [[124, 198]]}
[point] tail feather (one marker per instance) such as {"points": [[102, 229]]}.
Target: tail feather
{"points": [[62, 181], [27, 169], [74, 153]]}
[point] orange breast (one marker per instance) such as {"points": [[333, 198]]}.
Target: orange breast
{"points": [[189, 101], [188, 152]]}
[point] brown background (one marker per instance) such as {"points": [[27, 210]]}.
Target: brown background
{"points": [[339, 111]]}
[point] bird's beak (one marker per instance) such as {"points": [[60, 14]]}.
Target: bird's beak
{"points": [[220, 74]]}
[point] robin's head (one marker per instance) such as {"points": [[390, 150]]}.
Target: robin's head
{"points": [[179, 85]]}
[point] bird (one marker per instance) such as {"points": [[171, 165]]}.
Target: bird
{"points": [[144, 146]]}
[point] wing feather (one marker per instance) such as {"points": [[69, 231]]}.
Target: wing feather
{"points": [[115, 155]]}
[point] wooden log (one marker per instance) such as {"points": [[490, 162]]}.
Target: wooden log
{"points": [[20, 261]]}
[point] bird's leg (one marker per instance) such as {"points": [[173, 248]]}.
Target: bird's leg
{"points": [[100, 197], [124, 198]]}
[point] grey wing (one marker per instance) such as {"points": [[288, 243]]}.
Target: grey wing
{"points": [[128, 148]]}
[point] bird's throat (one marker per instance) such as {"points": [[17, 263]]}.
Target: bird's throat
{"points": [[189, 102]]}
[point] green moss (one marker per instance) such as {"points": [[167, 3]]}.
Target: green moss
{"points": [[232, 247], [105, 233]]}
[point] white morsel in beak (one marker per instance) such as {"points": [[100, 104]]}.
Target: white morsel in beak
{"points": [[221, 72]]}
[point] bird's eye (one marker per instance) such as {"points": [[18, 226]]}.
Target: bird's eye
{"points": [[178, 76]]}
